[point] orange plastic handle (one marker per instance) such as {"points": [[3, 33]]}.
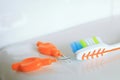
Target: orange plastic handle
{"points": [[48, 49], [31, 64]]}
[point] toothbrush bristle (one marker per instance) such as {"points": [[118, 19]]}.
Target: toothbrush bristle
{"points": [[83, 43], [95, 39], [76, 46], [73, 46], [90, 41]]}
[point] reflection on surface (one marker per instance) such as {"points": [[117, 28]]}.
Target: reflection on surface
{"points": [[100, 63], [102, 68]]}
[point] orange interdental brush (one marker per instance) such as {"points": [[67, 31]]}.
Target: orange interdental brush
{"points": [[48, 49], [51, 50], [31, 64]]}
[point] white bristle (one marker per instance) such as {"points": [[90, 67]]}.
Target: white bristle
{"points": [[99, 39], [87, 41], [91, 42]]}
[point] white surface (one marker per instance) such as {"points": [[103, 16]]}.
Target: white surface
{"points": [[24, 19], [105, 68]]}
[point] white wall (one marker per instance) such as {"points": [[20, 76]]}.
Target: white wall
{"points": [[24, 19], [116, 7]]}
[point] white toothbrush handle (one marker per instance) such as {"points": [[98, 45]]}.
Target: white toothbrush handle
{"points": [[115, 46]]}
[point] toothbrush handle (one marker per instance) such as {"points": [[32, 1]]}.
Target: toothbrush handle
{"points": [[116, 45]]}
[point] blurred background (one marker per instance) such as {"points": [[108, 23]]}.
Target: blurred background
{"points": [[25, 19]]}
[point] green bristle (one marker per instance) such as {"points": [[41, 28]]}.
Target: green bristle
{"points": [[83, 43], [95, 40]]}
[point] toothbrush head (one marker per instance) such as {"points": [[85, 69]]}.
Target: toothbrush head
{"points": [[77, 45]]}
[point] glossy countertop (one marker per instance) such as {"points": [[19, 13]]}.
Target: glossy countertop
{"points": [[103, 68]]}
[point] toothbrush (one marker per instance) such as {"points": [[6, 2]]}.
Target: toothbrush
{"points": [[92, 48]]}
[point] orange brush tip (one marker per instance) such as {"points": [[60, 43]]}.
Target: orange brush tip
{"points": [[56, 53], [39, 43]]}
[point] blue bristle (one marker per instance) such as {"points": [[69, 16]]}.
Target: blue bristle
{"points": [[73, 46], [76, 46]]}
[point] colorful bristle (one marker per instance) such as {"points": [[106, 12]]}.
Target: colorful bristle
{"points": [[95, 40], [84, 43], [76, 46]]}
